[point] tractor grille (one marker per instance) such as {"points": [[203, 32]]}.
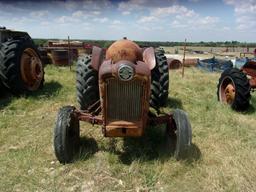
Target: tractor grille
{"points": [[124, 100]]}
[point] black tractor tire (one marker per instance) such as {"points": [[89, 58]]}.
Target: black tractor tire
{"points": [[181, 136], [159, 81], [87, 84], [242, 88], [66, 135], [155, 88], [2, 89], [10, 65], [164, 77]]}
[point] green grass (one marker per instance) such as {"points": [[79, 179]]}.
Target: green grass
{"points": [[222, 157]]}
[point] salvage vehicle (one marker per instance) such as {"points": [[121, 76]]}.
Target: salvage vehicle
{"points": [[235, 86], [21, 68], [116, 90]]}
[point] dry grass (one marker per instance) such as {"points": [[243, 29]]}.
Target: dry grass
{"points": [[222, 156], [218, 52]]}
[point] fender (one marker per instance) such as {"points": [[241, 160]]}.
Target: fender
{"points": [[149, 57], [97, 57]]}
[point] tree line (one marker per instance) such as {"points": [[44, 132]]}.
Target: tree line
{"points": [[107, 43]]}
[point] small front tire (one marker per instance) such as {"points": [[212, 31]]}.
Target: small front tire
{"points": [[66, 135], [180, 134]]}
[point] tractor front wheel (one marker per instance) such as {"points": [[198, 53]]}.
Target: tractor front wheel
{"points": [[234, 89], [179, 134], [66, 135]]}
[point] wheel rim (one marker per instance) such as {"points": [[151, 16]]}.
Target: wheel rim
{"points": [[227, 91], [31, 69]]}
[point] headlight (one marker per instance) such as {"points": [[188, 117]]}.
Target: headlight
{"points": [[125, 72]]}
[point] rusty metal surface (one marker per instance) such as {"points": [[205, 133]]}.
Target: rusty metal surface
{"points": [[60, 57], [124, 50], [118, 108], [31, 69], [108, 73], [250, 70], [190, 62], [227, 91], [97, 56], [125, 128], [149, 57], [88, 117], [162, 119], [230, 93], [173, 63]]}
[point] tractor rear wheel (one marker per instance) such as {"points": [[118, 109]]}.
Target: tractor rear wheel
{"points": [[2, 89], [21, 69], [164, 77], [159, 81], [180, 134], [87, 84], [66, 135], [234, 89]]}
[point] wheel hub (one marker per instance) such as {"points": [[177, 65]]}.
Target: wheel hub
{"points": [[230, 93], [31, 69]]}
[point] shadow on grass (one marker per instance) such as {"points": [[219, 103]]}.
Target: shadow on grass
{"points": [[49, 89], [5, 98], [153, 146], [174, 103], [88, 147], [250, 110]]}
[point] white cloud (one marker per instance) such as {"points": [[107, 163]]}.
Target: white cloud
{"points": [[194, 1], [133, 5], [126, 13], [96, 12], [175, 9], [67, 20], [116, 22], [78, 14], [39, 14], [101, 20], [245, 12], [147, 19], [45, 23]]}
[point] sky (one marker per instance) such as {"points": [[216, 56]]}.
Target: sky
{"points": [[144, 20]]}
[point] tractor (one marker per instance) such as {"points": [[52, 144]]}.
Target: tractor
{"points": [[235, 85], [21, 69], [122, 90]]}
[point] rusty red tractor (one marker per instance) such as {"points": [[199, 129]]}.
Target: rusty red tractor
{"points": [[235, 85], [21, 69], [116, 90]]}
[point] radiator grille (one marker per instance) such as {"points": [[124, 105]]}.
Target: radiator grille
{"points": [[124, 100]]}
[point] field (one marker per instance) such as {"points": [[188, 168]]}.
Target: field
{"points": [[222, 157], [208, 52]]}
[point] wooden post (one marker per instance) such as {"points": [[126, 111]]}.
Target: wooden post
{"points": [[184, 57], [69, 55]]}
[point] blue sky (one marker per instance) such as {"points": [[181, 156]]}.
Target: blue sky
{"points": [[155, 20]]}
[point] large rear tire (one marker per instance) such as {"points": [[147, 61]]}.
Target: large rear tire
{"points": [[234, 89], [164, 77], [21, 69], [87, 84], [66, 135], [159, 81]]}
